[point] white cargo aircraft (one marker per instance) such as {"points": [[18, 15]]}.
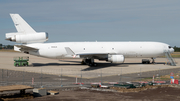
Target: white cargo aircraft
{"points": [[114, 52]]}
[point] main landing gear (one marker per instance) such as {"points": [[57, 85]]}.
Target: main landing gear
{"points": [[89, 62]]}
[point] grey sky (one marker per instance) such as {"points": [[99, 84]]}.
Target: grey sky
{"points": [[101, 20]]}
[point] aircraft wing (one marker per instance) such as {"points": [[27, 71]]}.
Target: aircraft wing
{"points": [[26, 48], [93, 55], [87, 55]]}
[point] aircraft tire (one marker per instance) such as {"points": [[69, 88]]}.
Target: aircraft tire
{"points": [[90, 64], [94, 64], [83, 63]]}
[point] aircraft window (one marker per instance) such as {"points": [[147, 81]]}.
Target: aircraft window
{"points": [[53, 46], [169, 46]]}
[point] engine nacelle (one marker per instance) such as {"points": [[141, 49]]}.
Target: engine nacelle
{"points": [[116, 58], [27, 38]]}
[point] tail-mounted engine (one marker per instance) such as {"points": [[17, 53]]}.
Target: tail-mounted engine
{"points": [[25, 33], [27, 38]]}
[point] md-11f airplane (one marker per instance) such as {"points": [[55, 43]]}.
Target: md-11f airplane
{"points": [[114, 52]]}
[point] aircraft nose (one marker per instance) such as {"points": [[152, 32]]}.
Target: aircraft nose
{"points": [[171, 50]]}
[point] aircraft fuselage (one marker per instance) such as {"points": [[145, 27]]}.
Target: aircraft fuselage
{"points": [[127, 49]]}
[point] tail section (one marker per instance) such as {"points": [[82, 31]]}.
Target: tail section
{"points": [[21, 25], [25, 33]]}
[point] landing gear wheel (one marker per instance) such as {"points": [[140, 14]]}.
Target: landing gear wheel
{"points": [[90, 64], [95, 64], [17, 65], [83, 63]]}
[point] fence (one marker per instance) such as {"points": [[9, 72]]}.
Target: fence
{"points": [[68, 78]]}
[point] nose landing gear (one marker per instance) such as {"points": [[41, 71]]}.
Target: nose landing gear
{"points": [[153, 60]]}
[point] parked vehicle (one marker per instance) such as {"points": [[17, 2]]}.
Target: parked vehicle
{"points": [[21, 61]]}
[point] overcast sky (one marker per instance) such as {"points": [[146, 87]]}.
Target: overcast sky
{"points": [[96, 20]]}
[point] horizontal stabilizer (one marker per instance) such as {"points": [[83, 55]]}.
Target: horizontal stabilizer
{"points": [[26, 48]]}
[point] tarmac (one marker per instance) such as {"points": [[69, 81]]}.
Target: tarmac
{"points": [[73, 67]]}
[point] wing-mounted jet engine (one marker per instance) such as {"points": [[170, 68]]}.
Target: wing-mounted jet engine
{"points": [[116, 58], [25, 34]]}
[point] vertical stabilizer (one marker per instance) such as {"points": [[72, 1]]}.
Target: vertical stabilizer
{"points": [[21, 25], [25, 33]]}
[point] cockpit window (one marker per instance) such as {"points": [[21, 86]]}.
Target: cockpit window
{"points": [[169, 46]]}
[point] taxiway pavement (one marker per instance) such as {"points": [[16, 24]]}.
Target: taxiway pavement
{"points": [[73, 67]]}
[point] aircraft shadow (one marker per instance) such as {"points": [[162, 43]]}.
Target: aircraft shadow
{"points": [[104, 65], [99, 66], [70, 61], [50, 64], [145, 64]]}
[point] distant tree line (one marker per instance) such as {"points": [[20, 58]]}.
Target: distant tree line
{"points": [[176, 49], [6, 46]]}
